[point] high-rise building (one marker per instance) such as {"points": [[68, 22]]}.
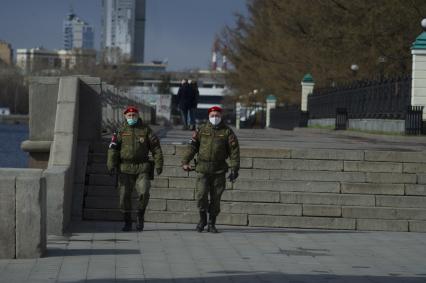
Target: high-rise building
{"points": [[77, 33], [123, 30]]}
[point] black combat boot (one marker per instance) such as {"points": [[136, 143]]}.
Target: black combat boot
{"points": [[140, 220], [127, 222], [212, 222], [203, 221]]}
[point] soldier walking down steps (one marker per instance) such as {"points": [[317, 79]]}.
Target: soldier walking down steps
{"points": [[213, 143], [128, 156]]}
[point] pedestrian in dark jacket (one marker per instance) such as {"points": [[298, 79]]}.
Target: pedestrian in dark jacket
{"points": [[195, 93], [185, 102]]}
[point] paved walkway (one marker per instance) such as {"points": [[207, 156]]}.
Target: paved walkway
{"points": [[310, 138], [99, 252]]}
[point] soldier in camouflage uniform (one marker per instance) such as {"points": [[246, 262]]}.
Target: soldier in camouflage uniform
{"points": [[128, 155], [214, 142]]}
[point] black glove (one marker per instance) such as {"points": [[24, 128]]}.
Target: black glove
{"points": [[233, 176], [159, 170], [112, 171]]}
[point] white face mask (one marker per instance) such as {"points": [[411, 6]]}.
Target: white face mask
{"points": [[215, 120]]}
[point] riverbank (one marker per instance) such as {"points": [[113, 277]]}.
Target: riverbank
{"points": [[11, 137]]}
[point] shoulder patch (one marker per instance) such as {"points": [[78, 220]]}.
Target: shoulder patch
{"points": [[232, 139], [113, 143], [194, 135]]}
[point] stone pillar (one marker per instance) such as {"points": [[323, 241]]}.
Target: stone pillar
{"points": [[43, 96], [307, 88], [418, 85], [271, 103], [237, 115]]}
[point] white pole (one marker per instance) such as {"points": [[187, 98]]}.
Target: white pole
{"points": [[271, 103], [237, 115]]}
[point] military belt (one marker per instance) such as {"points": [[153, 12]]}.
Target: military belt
{"points": [[212, 161], [134, 162]]}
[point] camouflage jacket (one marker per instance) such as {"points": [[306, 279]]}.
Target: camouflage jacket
{"points": [[130, 146], [213, 145]]}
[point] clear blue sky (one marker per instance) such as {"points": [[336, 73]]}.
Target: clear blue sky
{"points": [[180, 30]]}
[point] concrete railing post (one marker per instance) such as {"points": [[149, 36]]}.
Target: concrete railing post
{"points": [[307, 88], [418, 85], [271, 103]]}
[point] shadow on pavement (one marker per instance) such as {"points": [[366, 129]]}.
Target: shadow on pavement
{"points": [[115, 227], [51, 252], [286, 230], [259, 230], [245, 277]]}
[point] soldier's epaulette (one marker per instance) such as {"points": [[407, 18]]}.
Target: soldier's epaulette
{"points": [[203, 126]]}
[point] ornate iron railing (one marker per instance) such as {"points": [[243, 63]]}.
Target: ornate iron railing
{"points": [[379, 99]]}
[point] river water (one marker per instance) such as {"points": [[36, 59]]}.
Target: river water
{"points": [[11, 137]]}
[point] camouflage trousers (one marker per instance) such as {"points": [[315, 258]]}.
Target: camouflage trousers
{"points": [[210, 185], [127, 183]]}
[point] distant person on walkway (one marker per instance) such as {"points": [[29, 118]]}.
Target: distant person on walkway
{"points": [[128, 156], [213, 143], [185, 102], [195, 93]]}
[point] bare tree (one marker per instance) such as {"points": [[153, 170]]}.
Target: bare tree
{"points": [[281, 40]]}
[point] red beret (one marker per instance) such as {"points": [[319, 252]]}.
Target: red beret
{"points": [[131, 109], [215, 108]]}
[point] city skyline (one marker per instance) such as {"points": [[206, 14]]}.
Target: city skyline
{"points": [[181, 32]]}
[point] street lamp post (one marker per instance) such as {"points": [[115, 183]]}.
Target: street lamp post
{"points": [[381, 60], [354, 69]]}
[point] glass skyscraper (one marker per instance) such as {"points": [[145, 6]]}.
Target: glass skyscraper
{"points": [[123, 30], [77, 33]]}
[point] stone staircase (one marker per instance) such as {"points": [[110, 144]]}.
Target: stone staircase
{"points": [[299, 188]]}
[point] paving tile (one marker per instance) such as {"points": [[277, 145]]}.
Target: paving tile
{"points": [[100, 252]]}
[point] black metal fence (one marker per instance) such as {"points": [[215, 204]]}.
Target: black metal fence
{"points": [[382, 99], [341, 119], [414, 120], [374, 99], [288, 117]]}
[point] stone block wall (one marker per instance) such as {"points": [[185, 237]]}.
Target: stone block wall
{"points": [[372, 125], [22, 213]]}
